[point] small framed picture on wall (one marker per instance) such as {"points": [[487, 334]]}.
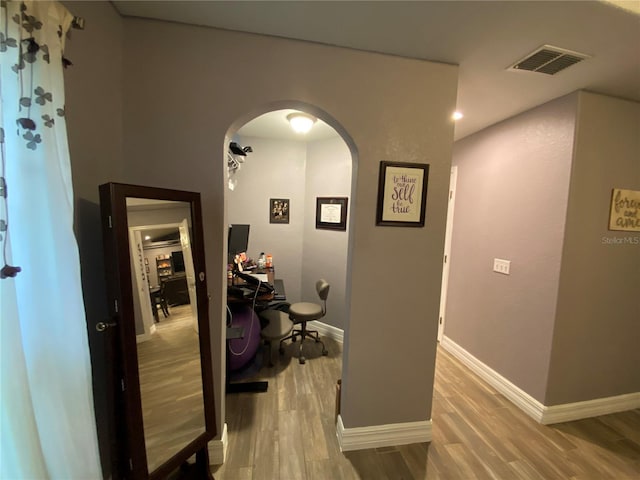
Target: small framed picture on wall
{"points": [[279, 210], [331, 213]]}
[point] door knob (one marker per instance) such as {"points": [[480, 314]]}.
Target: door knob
{"points": [[102, 326]]}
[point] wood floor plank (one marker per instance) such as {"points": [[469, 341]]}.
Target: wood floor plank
{"points": [[267, 455], [394, 466], [289, 433], [291, 454], [322, 470]]}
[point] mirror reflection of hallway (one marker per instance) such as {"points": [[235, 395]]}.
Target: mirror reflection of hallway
{"points": [[167, 338]]}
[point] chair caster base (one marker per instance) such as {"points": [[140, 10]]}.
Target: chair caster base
{"points": [[325, 352], [302, 360]]}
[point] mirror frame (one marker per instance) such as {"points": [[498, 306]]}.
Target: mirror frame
{"points": [[131, 450]]}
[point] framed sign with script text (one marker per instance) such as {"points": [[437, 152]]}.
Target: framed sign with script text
{"points": [[625, 210], [402, 194]]}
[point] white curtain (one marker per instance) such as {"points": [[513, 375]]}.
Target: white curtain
{"points": [[48, 423]]}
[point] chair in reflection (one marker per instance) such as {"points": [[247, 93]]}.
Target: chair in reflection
{"points": [[158, 299]]}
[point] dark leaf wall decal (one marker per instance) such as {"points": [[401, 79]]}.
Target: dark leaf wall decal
{"points": [[18, 66], [26, 123], [9, 271], [32, 140], [7, 42], [48, 121], [45, 53], [25, 101], [42, 95], [31, 44], [31, 23], [29, 57]]}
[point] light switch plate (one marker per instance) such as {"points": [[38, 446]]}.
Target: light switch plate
{"points": [[501, 266]]}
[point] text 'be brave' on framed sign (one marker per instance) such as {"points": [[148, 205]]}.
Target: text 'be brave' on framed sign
{"points": [[402, 194]]}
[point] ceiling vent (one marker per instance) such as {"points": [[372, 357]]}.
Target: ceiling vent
{"points": [[548, 59]]}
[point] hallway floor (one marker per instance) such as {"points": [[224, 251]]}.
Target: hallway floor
{"points": [[288, 433]]}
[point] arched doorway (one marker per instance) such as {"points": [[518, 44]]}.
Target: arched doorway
{"points": [[298, 170]]}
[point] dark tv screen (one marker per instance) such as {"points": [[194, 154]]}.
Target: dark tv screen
{"points": [[178, 261]]}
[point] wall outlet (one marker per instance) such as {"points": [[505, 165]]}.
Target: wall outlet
{"points": [[501, 266]]}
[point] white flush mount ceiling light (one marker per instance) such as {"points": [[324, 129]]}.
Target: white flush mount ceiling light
{"points": [[301, 122], [457, 116]]}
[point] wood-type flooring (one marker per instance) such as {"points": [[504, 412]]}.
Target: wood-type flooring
{"points": [[288, 433], [170, 386]]}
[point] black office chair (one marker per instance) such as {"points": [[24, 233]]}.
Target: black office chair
{"points": [[303, 312], [158, 300]]}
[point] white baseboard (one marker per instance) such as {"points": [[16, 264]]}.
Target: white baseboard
{"points": [[519, 397], [327, 330], [543, 414], [568, 412], [143, 337], [218, 448], [360, 438]]}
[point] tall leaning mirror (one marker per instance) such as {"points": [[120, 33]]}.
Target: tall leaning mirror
{"points": [[158, 333]]}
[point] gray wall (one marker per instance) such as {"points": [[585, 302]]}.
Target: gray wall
{"points": [[94, 110], [168, 101], [180, 103], [536, 190], [325, 253], [275, 169], [597, 333], [511, 203]]}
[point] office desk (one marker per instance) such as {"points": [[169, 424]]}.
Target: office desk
{"points": [[262, 300], [242, 326]]}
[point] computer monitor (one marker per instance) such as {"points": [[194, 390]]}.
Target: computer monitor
{"points": [[238, 239]]}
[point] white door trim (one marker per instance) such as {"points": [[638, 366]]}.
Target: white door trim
{"points": [[446, 258]]}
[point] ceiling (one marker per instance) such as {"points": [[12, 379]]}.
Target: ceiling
{"points": [[483, 37], [275, 125]]}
